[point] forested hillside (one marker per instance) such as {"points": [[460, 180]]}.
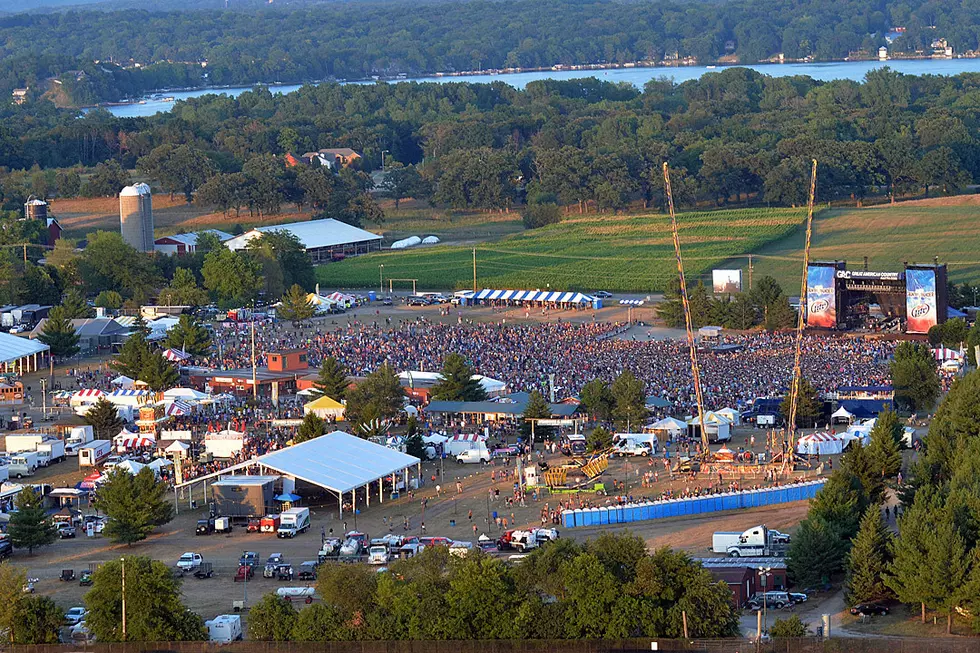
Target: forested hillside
{"points": [[297, 43]]}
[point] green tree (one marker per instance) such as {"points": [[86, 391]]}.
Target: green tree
{"points": [[541, 215], [913, 371], [884, 450], [332, 379], [457, 382], [159, 373], [788, 628], [816, 552], [599, 440], [537, 408], [134, 352], [296, 306], [178, 168], [12, 581], [30, 526], [272, 619], [183, 290], [189, 336], [319, 623], [858, 463], [482, 599], [109, 263], [154, 611], [135, 505], [629, 395], [234, 278], [75, 307], [597, 400], [59, 334], [375, 401], [109, 299], [402, 182], [868, 561], [350, 588], [104, 419], [106, 181], [313, 426], [808, 404], [36, 620], [290, 255], [414, 444]]}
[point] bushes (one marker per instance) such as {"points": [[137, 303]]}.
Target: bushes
{"points": [[541, 215]]}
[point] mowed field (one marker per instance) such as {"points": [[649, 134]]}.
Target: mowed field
{"points": [[888, 235], [632, 253]]}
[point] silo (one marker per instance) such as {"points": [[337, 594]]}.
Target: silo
{"points": [[136, 216], [35, 209]]}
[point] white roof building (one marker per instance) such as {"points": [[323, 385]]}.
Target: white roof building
{"points": [[17, 352], [324, 240], [186, 243]]}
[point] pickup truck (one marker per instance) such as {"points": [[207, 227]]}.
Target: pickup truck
{"points": [[190, 561]]}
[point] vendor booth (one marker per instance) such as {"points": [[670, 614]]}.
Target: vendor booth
{"points": [[820, 444]]}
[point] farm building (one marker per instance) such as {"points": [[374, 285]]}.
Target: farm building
{"points": [[324, 240], [185, 243]]}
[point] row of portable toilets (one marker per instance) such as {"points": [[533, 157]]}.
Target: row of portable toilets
{"points": [[635, 512]]}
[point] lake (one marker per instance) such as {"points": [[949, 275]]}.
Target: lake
{"points": [[637, 76]]}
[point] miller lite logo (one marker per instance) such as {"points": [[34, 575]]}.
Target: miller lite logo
{"points": [[920, 310], [819, 306]]}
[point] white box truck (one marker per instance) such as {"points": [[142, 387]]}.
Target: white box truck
{"points": [[50, 451], [94, 452], [224, 628], [79, 436], [293, 522], [23, 464], [17, 442]]}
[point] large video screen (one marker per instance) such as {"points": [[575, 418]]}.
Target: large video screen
{"points": [[821, 305], [726, 281], [920, 300]]}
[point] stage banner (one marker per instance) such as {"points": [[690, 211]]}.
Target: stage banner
{"points": [[920, 300], [821, 304]]}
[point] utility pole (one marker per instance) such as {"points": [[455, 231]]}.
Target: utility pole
{"points": [[44, 398], [255, 387], [123, 562], [381, 283], [750, 272], [474, 269]]}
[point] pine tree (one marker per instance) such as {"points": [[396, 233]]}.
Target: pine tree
{"points": [[135, 505], [630, 398], [313, 426], [883, 451], [868, 560], [296, 305], [104, 419], [597, 399], [134, 352], [75, 306], [536, 408], [414, 444], [857, 462], [816, 552], [599, 440], [30, 527], [457, 383], [159, 373], [375, 401], [189, 336], [58, 333], [332, 379]]}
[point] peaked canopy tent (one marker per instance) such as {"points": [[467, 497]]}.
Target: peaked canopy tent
{"points": [[669, 427], [325, 408], [842, 415], [338, 462], [176, 355], [528, 296], [18, 355], [123, 382], [822, 444]]}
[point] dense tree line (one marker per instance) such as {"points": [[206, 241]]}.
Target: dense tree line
{"points": [[729, 137], [357, 40]]}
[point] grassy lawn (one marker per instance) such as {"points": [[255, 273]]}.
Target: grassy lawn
{"points": [[612, 252], [887, 235]]}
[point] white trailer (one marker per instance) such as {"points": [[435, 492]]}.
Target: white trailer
{"points": [[756, 541], [722, 540], [94, 452], [224, 628], [17, 442]]}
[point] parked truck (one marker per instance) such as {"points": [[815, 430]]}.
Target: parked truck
{"points": [[50, 451], [94, 452], [23, 464], [755, 542], [292, 522], [17, 442], [79, 436]]}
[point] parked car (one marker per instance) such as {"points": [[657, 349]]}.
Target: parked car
{"points": [[473, 456], [75, 615], [386, 301], [307, 571], [602, 294], [798, 597], [249, 559], [869, 609], [189, 561], [416, 300], [774, 599], [269, 571], [66, 531]]}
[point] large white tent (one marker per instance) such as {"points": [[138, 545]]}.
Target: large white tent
{"points": [[669, 427], [823, 444]]}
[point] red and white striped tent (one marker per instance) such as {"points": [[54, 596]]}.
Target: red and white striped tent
{"points": [[463, 441], [947, 354], [86, 397], [823, 444], [136, 442], [176, 355]]}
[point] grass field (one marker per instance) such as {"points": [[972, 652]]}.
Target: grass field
{"points": [[888, 235], [613, 252]]}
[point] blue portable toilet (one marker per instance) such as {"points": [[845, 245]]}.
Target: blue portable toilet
{"points": [[603, 516], [596, 303], [372, 296]]}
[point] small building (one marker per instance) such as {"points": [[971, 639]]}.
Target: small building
{"points": [[244, 496], [740, 580], [239, 382], [99, 333], [19, 95], [343, 156], [185, 243], [288, 360], [324, 240], [54, 230]]}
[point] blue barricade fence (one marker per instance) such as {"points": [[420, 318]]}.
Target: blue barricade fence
{"points": [[665, 508]]}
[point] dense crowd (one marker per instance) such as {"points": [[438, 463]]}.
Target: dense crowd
{"points": [[525, 354]]}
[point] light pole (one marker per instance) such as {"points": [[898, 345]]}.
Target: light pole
{"points": [[245, 584], [44, 398], [383, 152], [381, 282], [123, 563], [764, 574]]}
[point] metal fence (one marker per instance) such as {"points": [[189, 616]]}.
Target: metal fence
{"points": [[807, 645]]}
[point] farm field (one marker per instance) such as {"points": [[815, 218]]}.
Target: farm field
{"points": [[632, 253], [888, 235]]}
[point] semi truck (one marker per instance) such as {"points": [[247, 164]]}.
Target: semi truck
{"points": [[79, 436], [757, 541]]}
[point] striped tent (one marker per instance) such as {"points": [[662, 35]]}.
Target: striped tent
{"points": [[175, 355], [823, 444], [136, 442], [179, 408], [129, 393], [545, 296], [89, 393]]}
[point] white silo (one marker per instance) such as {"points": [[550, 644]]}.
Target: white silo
{"points": [[136, 216]]}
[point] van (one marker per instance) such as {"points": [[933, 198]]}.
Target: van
{"points": [[23, 464], [573, 445], [224, 628]]}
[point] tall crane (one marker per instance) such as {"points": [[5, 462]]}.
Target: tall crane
{"points": [[794, 394], [695, 368]]}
